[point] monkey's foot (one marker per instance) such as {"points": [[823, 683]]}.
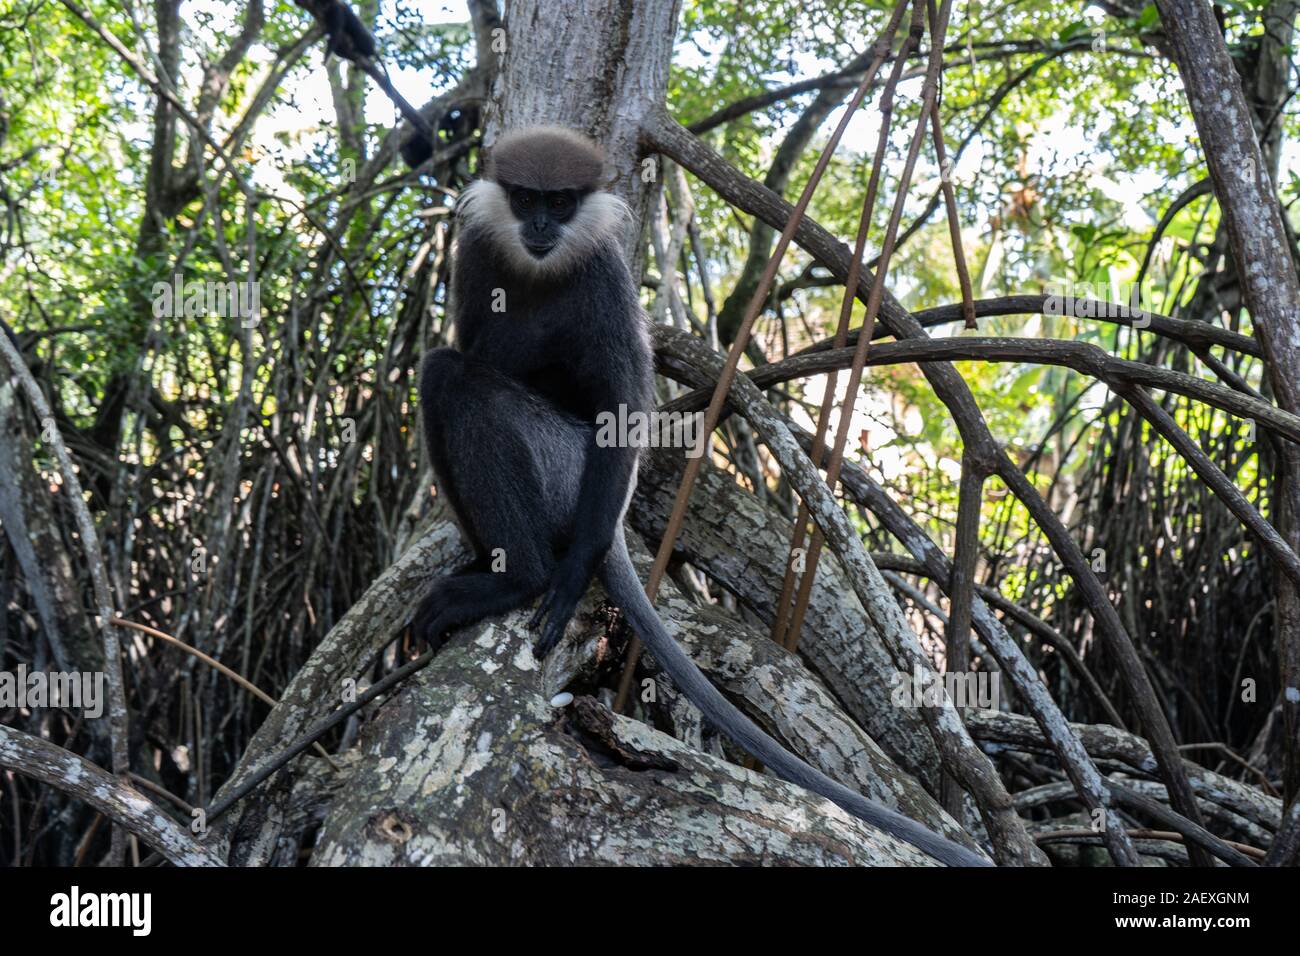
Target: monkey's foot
{"points": [[426, 625], [554, 613]]}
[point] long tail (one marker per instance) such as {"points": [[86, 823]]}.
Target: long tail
{"points": [[620, 581]]}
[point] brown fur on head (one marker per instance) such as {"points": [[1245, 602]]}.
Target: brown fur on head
{"points": [[546, 158]]}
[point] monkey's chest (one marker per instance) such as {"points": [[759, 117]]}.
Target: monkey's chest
{"points": [[556, 383]]}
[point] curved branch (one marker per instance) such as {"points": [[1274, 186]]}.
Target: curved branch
{"points": [[64, 770], [852, 71], [1031, 622], [1181, 202], [969, 765], [1082, 772], [1195, 335], [117, 720], [1081, 356], [1129, 379], [1111, 743], [664, 135]]}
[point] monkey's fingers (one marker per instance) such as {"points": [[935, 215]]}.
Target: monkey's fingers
{"points": [[557, 609], [425, 622], [539, 615], [557, 622]]}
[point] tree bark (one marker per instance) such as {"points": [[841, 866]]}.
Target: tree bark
{"points": [[473, 762]]}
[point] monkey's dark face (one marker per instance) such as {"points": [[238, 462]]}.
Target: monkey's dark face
{"points": [[542, 233], [540, 205], [542, 215]]}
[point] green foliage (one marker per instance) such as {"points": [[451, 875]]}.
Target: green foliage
{"points": [[1074, 138]]}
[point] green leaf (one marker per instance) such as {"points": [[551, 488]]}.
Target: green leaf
{"points": [[1077, 28]]}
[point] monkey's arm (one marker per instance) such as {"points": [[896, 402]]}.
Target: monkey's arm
{"points": [[603, 492], [346, 36]]}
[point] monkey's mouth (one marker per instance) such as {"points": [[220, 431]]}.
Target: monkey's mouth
{"points": [[539, 247]]}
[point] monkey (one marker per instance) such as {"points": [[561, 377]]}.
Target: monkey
{"points": [[549, 334], [416, 150], [456, 124], [345, 35], [459, 122], [348, 38]]}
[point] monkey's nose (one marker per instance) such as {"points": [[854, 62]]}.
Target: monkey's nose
{"points": [[537, 237]]}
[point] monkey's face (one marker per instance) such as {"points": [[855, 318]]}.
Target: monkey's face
{"points": [[541, 231], [542, 215]]}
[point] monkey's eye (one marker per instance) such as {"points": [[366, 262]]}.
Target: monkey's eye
{"points": [[560, 205], [523, 201]]}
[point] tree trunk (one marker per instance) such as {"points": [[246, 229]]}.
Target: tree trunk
{"points": [[596, 65]]}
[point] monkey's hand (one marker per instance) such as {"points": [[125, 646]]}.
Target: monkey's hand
{"points": [[566, 589]]}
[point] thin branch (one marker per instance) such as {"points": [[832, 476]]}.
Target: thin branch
{"points": [[714, 411], [856, 483], [929, 96], [788, 620], [1083, 357], [1195, 335], [117, 719], [961, 588], [1139, 833], [212, 662]]}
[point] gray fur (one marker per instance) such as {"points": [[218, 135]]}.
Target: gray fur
{"points": [[546, 157]]}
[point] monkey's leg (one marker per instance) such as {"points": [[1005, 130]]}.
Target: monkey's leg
{"points": [[509, 464]]}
